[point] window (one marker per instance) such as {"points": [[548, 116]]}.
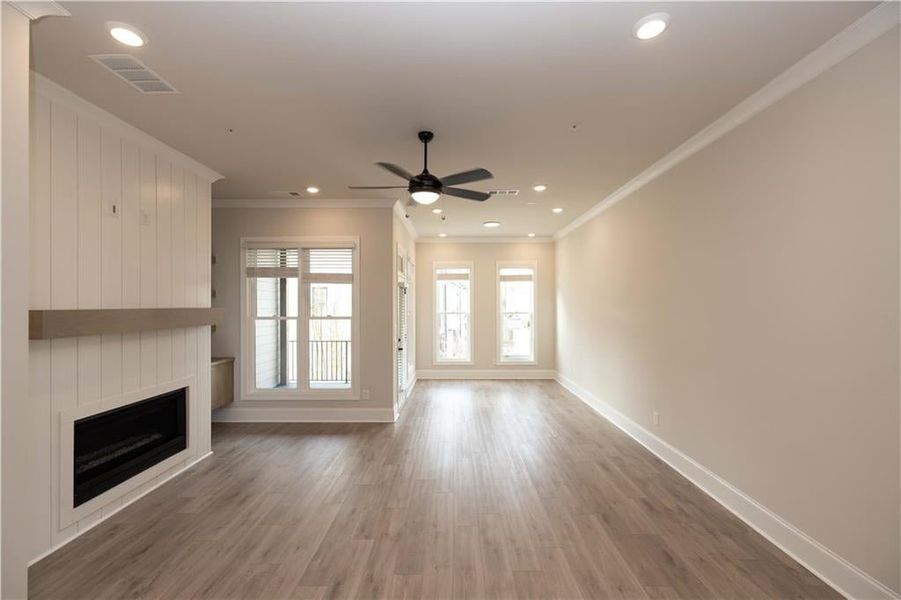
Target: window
{"points": [[453, 310], [516, 312], [300, 329]]}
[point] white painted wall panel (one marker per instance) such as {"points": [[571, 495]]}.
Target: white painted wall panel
{"points": [[191, 241], [110, 221], [178, 235], [131, 225], [163, 232], [63, 208], [88, 224], [154, 251], [63, 396], [148, 229]]}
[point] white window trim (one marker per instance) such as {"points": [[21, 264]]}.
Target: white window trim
{"points": [[411, 320], [458, 265], [498, 336], [246, 373]]}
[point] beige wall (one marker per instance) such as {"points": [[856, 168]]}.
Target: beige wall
{"points": [[484, 257], [373, 226], [750, 295]]}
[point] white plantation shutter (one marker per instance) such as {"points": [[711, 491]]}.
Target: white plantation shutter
{"points": [[323, 265], [516, 274], [272, 262], [328, 265], [452, 274]]}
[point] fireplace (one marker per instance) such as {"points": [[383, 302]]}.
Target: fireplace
{"points": [[113, 446]]}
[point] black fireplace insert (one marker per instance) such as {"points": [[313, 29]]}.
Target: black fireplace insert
{"points": [[116, 445]]}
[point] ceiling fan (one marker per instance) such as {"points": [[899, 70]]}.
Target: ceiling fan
{"points": [[425, 188]]}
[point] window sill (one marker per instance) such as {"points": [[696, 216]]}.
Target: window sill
{"points": [[516, 363], [318, 395]]}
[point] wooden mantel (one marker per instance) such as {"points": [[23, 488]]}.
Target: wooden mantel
{"points": [[49, 324]]}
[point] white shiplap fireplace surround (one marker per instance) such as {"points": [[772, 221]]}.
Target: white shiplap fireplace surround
{"points": [[118, 220]]}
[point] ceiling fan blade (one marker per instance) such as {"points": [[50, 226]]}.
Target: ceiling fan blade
{"points": [[376, 187], [468, 194], [466, 177], [399, 171]]}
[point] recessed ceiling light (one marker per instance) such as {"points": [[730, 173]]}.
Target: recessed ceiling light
{"points": [[437, 211], [442, 235], [126, 34], [491, 224], [312, 190], [557, 210], [539, 188], [531, 235], [531, 203], [651, 26]]}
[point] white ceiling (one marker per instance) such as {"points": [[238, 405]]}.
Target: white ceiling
{"points": [[552, 93]]}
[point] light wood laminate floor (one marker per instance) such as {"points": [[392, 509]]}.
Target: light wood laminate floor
{"points": [[481, 490]]}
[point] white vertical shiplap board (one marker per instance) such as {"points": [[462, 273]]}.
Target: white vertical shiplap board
{"points": [[153, 251], [131, 362], [163, 263], [191, 283], [111, 369], [191, 366], [131, 225], [148, 358], [178, 235], [204, 231], [163, 232], [147, 266], [202, 405], [63, 208], [42, 419], [88, 159], [110, 221], [111, 278], [88, 370], [164, 355], [63, 397]]}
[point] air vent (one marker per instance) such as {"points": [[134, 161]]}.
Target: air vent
{"points": [[504, 192], [135, 73]]}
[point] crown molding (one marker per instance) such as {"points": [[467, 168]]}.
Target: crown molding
{"points": [[485, 240], [848, 41], [39, 10], [57, 93], [300, 203], [407, 221]]}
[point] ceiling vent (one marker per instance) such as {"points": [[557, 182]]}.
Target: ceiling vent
{"points": [[135, 73], [504, 192]]}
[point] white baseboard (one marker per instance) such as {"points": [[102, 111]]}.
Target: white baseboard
{"points": [[149, 489], [500, 373], [847, 579], [291, 414]]}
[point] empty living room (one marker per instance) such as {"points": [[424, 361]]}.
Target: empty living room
{"points": [[421, 300]]}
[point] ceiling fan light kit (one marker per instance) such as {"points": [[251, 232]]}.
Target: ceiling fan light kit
{"points": [[425, 188]]}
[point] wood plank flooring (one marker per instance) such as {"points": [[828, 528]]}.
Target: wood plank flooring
{"points": [[489, 489]]}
